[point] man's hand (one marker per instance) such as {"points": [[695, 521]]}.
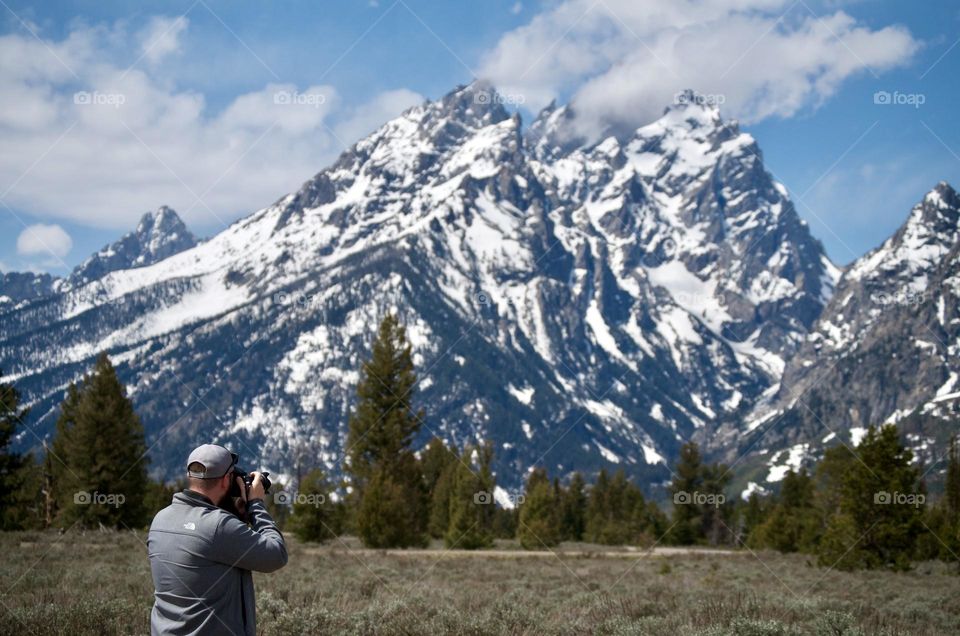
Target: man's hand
{"points": [[256, 488]]}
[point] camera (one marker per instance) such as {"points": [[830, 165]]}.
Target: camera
{"points": [[247, 481]]}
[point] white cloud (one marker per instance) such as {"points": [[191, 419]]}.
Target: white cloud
{"points": [[44, 240], [103, 149], [161, 37], [623, 61]]}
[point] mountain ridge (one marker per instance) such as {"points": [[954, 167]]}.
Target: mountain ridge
{"points": [[583, 306]]}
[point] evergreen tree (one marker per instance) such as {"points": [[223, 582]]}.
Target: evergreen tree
{"points": [[439, 520], [598, 505], [716, 512], [881, 507], [99, 463], [752, 514], [573, 508], [387, 516], [942, 524], [951, 493], [794, 523], [438, 465], [383, 425], [471, 501], [618, 513], [829, 479], [13, 466], [651, 522], [381, 430], [315, 516], [538, 526], [505, 522], [687, 526], [433, 461]]}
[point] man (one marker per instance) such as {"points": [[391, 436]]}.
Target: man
{"points": [[201, 556]]}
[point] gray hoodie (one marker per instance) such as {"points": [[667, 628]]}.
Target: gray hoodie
{"points": [[201, 557]]}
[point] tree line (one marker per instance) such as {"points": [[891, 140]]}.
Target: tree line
{"points": [[862, 507]]}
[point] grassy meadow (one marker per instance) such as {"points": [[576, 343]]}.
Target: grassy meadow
{"points": [[99, 583]]}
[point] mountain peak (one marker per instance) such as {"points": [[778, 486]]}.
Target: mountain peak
{"points": [[552, 133], [909, 256], [943, 195], [938, 213], [159, 234], [162, 226], [694, 111], [476, 104]]}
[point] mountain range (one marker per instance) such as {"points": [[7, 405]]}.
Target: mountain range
{"points": [[581, 304]]}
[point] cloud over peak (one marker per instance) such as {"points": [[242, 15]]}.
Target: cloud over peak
{"points": [[621, 61]]}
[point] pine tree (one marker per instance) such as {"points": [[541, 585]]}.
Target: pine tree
{"points": [[390, 513], [829, 479], [315, 516], [573, 509], [688, 480], [12, 465], [538, 526], [381, 431], [598, 505], [752, 514], [879, 503], [438, 465], [433, 461], [439, 520], [383, 424], [951, 494], [793, 524], [99, 461], [941, 539], [618, 513], [471, 501], [716, 513]]}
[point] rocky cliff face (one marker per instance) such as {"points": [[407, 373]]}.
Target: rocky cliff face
{"points": [[883, 350]]}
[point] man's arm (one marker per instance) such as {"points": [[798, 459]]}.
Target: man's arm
{"points": [[261, 548]]}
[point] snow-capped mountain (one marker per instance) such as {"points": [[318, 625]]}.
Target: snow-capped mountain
{"points": [[17, 287], [885, 349], [581, 305], [159, 235]]}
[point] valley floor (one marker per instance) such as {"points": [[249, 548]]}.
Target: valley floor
{"points": [[99, 583]]}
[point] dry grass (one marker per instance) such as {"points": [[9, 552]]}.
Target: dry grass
{"points": [[100, 584]]}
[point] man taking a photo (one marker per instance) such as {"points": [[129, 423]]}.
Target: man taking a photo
{"points": [[201, 556]]}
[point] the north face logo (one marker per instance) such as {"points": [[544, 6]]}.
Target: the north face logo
{"points": [[190, 525]]}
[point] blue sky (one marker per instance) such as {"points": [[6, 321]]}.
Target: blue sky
{"points": [[198, 129]]}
